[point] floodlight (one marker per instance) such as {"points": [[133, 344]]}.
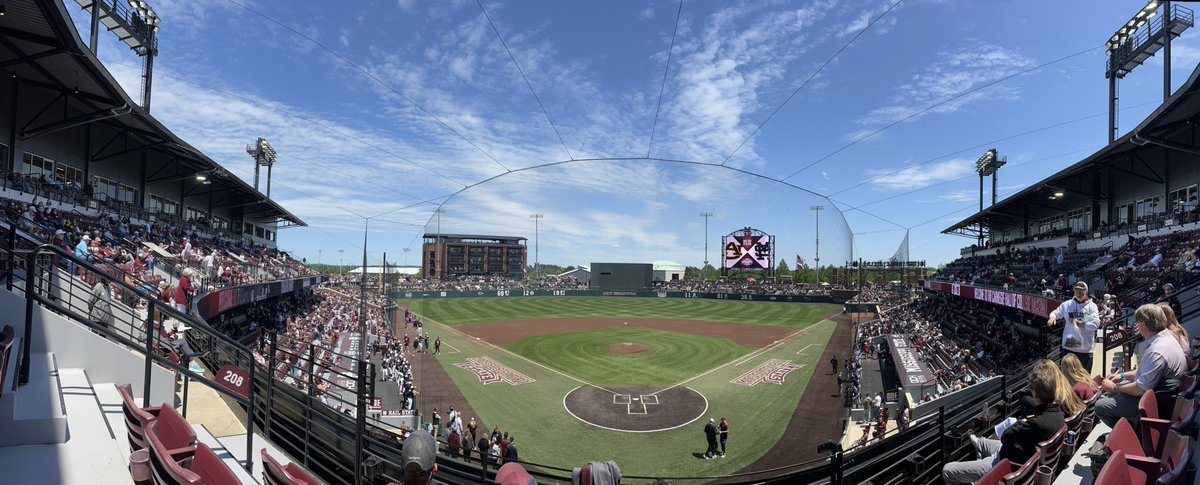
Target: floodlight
{"points": [[1058, 194], [202, 178]]}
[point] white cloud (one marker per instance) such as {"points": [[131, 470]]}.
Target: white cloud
{"points": [[646, 13], [921, 176], [956, 71]]}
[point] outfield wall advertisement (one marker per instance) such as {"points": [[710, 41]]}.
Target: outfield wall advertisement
{"points": [[632, 294], [1034, 304]]}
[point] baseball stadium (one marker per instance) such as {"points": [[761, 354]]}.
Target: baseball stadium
{"points": [[595, 243]]}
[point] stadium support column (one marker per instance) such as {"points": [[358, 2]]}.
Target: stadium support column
{"points": [[14, 145], [704, 269], [95, 33], [1112, 108]]}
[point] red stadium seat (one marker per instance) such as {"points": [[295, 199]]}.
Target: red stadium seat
{"points": [[1125, 440], [1176, 458], [1027, 473], [276, 474], [175, 433], [996, 475], [136, 418], [1118, 472], [1051, 449], [205, 468]]}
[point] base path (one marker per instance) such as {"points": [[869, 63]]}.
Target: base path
{"points": [[504, 333], [819, 416]]}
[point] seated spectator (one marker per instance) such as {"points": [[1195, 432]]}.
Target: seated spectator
{"points": [[1170, 299], [1175, 328], [1160, 368], [1081, 382], [1020, 441]]}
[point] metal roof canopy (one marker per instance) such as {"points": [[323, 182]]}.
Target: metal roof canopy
{"points": [[1128, 155], [40, 46]]}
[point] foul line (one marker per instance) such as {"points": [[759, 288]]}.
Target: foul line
{"points": [[743, 359], [800, 352], [509, 352]]}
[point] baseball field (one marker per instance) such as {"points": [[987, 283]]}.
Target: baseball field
{"points": [[578, 379]]}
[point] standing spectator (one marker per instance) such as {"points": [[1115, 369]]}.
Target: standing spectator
{"points": [[905, 418], [1160, 368], [472, 428], [183, 291], [512, 455], [1079, 331], [482, 447], [868, 402], [100, 305], [453, 443], [724, 429], [833, 362], [437, 346]]}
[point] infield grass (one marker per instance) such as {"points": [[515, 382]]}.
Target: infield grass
{"points": [[671, 358], [462, 311]]}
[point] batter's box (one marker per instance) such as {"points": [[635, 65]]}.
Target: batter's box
{"points": [[622, 399], [650, 399]]}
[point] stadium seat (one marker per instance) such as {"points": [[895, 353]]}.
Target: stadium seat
{"points": [[205, 467], [996, 475], [7, 337], [1027, 473], [174, 433], [1187, 388], [1089, 419], [1125, 440], [1117, 472], [1179, 416], [1051, 449], [1176, 458], [136, 418], [276, 474]]}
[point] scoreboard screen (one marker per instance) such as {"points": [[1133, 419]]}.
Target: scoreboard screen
{"points": [[748, 252]]}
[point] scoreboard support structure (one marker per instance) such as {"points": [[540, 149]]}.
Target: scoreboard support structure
{"points": [[748, 249]]}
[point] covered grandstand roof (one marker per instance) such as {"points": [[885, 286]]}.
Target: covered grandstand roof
{"points": [[1123, 155], [41, 47]]}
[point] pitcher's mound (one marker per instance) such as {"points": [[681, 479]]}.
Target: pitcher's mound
{"points": [[628, 348]]}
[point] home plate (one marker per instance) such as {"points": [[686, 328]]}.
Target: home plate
{"points": [[636, 398]]}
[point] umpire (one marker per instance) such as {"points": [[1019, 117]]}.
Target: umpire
{"points": [[710, 433]]}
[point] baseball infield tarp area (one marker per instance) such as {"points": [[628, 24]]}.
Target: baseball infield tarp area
{"points": [[641, 294]]}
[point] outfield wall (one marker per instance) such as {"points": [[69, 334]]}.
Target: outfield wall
{"points": [[635, 294]]}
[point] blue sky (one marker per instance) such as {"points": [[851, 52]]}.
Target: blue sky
{"points": [[398, 107]]}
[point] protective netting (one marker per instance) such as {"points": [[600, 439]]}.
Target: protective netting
{"points": [[642, 211]]}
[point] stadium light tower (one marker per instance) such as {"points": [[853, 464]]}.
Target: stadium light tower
{"points": [[817, 258], [704, 269], [135, 24], [264, 154], [988, 164], [1131, 45], [341, 268], [438, 247], [536, 218]]}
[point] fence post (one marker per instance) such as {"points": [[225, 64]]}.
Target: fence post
{"points": [[312, 353], [149, 350], [30, 269], [361, 411], [12, 255], [1104, 353], [1004, 392], [942, 435], [250, 422], [270, 385]]}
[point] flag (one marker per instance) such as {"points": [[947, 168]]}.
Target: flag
{"points": [[800, 263]]}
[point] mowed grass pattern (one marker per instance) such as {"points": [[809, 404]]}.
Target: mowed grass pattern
{"points": [[462, 311], [672, 357]]}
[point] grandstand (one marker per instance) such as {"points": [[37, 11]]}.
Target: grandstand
{"points": [[155, 332]]}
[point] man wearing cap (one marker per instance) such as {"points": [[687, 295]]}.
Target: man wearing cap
{"points": [[1081, 320], [724, 429], [81, 249], [418, 458], [514, 474]]}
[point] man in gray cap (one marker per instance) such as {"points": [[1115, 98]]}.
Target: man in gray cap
{"points": [[1081, 320], [418, 458]]}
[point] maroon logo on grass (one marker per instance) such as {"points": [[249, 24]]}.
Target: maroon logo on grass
{"points": [[490, 372], [773, 371]]}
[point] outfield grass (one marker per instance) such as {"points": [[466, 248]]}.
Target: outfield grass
{"points": [[461, 311], [672, 357]]}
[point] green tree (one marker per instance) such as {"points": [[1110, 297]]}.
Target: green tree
{"points": [[783, 268]]}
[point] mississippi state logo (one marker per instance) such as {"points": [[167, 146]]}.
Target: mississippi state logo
{"points": [[773, 371], [490, 372]]}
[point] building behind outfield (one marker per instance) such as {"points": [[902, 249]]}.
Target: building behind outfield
{"points": [[455, 255]]}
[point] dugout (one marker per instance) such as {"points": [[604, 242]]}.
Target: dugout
{"points": [[621, 276]]}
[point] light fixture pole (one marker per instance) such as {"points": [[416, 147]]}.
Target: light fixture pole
{"points": [[817, 259], [341, 268], [406, 250], [536, 218], [704, 270]]}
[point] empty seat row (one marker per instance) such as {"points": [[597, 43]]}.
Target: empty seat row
{"points": [[1161, 451]]}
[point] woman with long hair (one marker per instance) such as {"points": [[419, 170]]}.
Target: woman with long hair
{"points": [[1063, 394], [1173, 325], [1080, 381]]}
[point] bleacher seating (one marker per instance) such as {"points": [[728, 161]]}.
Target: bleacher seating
{"points": [[996, 476], [201, 468], [136, 418]]}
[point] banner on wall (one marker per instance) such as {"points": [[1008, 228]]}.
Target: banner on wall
{"points": [[1033, 304]]}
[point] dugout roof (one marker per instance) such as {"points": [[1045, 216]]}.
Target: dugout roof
{"points": [[40, 45]]}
